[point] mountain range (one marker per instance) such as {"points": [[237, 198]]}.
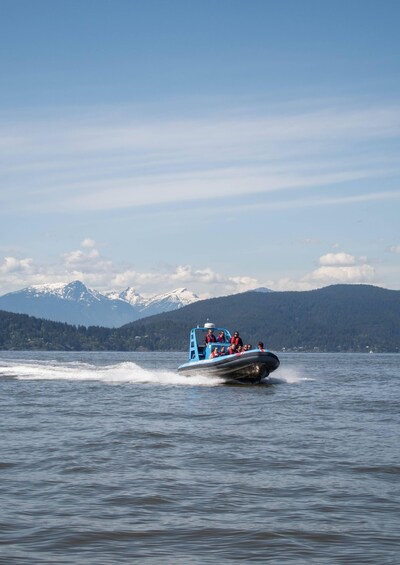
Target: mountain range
{"points": [[337, 318], [342, 317], [75, 303]]}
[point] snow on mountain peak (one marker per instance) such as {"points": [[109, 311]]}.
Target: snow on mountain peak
{"points": [[175, 299], [50, 288], [74, 291], [75, 303], [132, 296], [174, 295]]}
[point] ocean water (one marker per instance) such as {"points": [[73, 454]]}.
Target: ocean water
{"points": [[111, 458]]}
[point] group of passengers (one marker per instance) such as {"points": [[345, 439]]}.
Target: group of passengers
{"points": [[235, 344]]}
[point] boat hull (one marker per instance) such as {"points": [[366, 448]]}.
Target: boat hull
{"points": [[244, 368]]}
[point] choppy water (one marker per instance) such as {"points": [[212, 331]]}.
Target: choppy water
{"points": [[114, 458]]}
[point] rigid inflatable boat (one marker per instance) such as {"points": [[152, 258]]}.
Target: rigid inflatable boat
{"points": [[247, 367]]}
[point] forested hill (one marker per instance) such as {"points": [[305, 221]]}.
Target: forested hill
{"points": [[335, 318], [23, 332]]}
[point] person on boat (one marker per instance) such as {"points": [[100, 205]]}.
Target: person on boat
{"points": [[240, 349], [221, 337], [260, 346], [236, 339], [222, 351], [232, 349], [210, 337], [214, 353]]}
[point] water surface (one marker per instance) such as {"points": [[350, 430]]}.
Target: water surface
{"points": [[114, 457]]}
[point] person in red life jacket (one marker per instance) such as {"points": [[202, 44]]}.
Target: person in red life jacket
{"points": [[221, 337], [214, 353], [260, 346], [210, 337], [236, 339], [222, 351], [232, 349]]}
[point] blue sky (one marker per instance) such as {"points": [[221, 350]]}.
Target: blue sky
{"points": [[217, 145]]}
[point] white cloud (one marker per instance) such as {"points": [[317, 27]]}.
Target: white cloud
{"points": [[337, 259], [88, 265], [84, 259], [341, 268], [205, 282], [102, 274], [88, 243], [351, 274], [13, 265], [395, 249], [212, 280], [285, 283], [335, 268], [18, 273]]}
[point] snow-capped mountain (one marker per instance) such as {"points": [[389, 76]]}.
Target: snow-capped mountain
{"points": [[77, 304], [169, 301], [129, 295], [155, 304], [74, 292]]}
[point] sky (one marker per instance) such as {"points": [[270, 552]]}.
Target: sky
{"points": [[217, 145]]}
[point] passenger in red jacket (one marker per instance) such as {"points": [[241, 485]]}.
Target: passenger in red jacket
{"points": [[221, 337], [236, 339], [214, 353], [210, 337]]}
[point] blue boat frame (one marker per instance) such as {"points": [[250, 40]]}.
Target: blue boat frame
{"points": [[200, 352]]}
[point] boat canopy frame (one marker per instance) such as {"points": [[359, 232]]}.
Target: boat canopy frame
{"points": [[197, 352]]}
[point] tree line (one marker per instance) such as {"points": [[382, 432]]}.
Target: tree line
{"points": [[337, 318]]}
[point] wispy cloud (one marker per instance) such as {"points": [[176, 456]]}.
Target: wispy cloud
{"points": [[82, 163]]}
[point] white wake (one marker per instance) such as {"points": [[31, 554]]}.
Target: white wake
{"points": [[119, 373], [288, 375]]}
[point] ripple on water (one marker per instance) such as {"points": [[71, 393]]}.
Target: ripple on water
{"points": [[153, 470]]}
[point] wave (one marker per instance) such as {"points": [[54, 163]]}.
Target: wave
{"points": [[125, 372], [288, 375]]}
